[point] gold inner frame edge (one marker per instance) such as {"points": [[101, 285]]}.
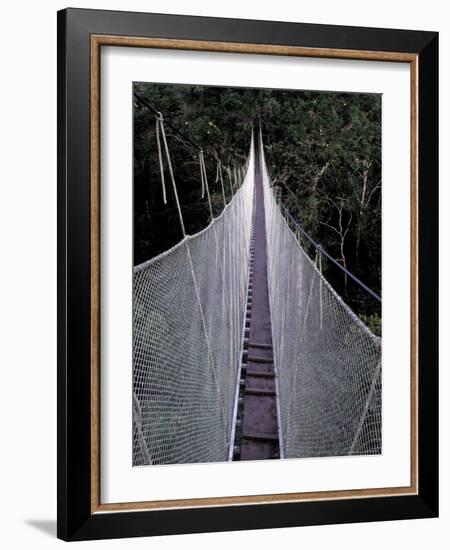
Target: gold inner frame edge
{"points": [[97, 41]]}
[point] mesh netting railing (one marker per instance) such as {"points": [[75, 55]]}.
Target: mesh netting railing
{"points": [[188, 314], [328, 362]]}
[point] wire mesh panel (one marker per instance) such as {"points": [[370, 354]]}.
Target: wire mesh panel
{"points": [[328, 361], [188, 319]]}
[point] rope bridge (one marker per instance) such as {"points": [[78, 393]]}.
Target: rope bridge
{"points": [[191, 327]]}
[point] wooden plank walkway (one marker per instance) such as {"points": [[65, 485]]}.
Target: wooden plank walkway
{"points": [[259, 433]]}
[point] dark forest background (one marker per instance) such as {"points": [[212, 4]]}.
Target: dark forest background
{"points": [[323, 153]]}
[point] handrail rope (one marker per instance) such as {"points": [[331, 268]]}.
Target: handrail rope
{"points": [[327, 255]]}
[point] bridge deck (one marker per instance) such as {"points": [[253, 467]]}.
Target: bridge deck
{"points": [[259, 437]]}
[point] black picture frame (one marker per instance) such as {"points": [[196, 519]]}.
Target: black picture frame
{"points": [[76, 521]]}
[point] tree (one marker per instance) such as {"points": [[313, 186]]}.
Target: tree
{"points": [[323, 152]]}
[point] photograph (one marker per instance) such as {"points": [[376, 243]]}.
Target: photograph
{"points": [[257, 276]]}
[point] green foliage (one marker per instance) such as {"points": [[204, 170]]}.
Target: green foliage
{"points": [[323, 151]]}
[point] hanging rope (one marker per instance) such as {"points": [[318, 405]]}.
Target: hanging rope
{"points": [[241, 173], [161, 167], [205, 181], [200, 159], [220, 178], [230, 180], [160, 130]]}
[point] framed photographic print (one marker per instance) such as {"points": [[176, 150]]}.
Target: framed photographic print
{"points": [[247, 274]]}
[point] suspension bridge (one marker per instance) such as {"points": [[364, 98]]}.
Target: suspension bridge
{"points": [[242, 349]]}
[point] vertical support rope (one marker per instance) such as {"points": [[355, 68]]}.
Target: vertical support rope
{"points": [[138, 422], [160, 120], [161, 166], [200, 155], [230, 180], [205, 181], [319, 258], [366, 408], [308, 303], [219, 177], [208, 343]]}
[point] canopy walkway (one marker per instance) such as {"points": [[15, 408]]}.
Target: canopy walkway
{"points": [[242, 349], [259, 413]]}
